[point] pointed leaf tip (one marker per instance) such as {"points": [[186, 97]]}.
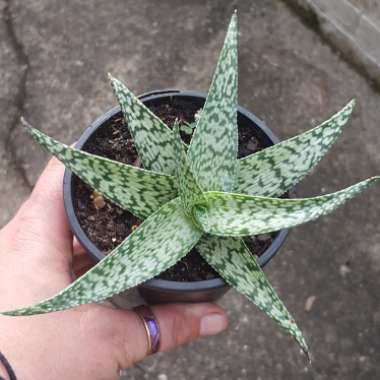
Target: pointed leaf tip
{"points": [[24, 123], [350, 105], [231, 258], [233, 22], [228, 214], [152, 137], [171, 237], [213, 148], [308, 356], [274, 170], [137, 190]]}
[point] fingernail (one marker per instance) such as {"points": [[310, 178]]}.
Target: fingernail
{"points": [[213, 324]]}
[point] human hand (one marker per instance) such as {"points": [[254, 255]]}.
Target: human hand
{"points": [[88, 342]]}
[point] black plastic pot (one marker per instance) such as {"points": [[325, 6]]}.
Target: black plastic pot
{"points": [[156, 290]]}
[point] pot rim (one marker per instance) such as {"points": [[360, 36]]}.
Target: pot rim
{"points": [[163, 285]]}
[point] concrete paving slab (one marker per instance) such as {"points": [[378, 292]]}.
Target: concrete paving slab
{"points": [[290, 78], [369, 8], [13, 186], [351, 26]]}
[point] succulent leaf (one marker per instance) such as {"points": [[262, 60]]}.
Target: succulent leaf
{"points": [[187, 128], [153, 139], [190, 192], [204, 178], [137, 190], [213, 148], [275, 170], [235, 263], [227, 214], [157, 244]]}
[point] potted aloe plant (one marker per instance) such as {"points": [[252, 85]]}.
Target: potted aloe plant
{"points": [[185, 189]]}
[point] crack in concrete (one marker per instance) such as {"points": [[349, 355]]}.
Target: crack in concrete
{"points": [[20, 99]]}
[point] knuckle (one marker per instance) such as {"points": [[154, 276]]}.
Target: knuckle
{"points": [[184, 329], [123, 347]]}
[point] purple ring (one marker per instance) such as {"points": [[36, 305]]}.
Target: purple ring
{"points": [[151, 326]]}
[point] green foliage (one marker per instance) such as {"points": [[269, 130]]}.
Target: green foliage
{"points": [[187, 128], [235, 263], [203, 195], [189, 190], [227, 214], [153, 139], [159, 242], [213, 149], [275, 170], [137, 190]]}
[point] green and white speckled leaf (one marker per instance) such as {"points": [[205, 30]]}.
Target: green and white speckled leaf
{"points": [[160, 241], [227, 214], [153, 139], [137, 190], [275, 170], [189, 190], [235, 263], [213, 148]]}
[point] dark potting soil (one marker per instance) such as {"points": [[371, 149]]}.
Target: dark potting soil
{"points": [[107, 225]]}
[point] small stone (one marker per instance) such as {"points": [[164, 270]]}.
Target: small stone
{"points": [[362, 359], [94, 194], [309, 303], [252, 144], [263, 237], [134, 227], [162, 376], [198, 114], [99, 202], [344, 270], [244, 319]]}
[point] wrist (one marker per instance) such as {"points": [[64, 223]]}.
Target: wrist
{"points": [[3, 372], [6, 371]]}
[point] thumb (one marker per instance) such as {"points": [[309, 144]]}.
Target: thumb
{"points": [[178, 324], [41, 225]]}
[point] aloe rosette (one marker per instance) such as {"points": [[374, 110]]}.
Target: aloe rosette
{"points": [[199, 195]]}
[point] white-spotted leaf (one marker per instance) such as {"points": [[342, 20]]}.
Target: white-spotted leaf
{"points": [[181, 195], [152, 137], [235, 263], [228, 214], [190, 192], [274, 170], [157, 244], [137, 190], [213, 148]]}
